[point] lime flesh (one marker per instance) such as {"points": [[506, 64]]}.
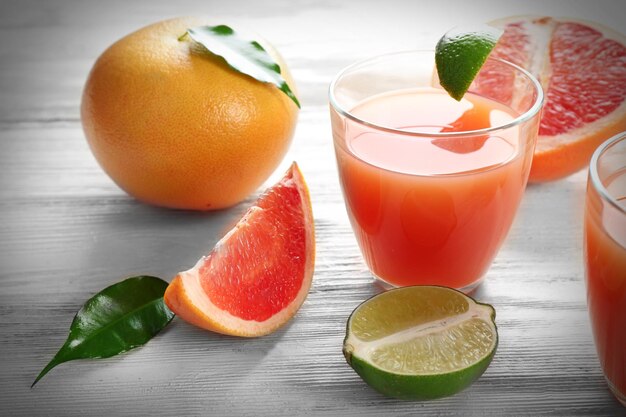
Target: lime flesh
{"points": [[421, 342], [460, 54]]}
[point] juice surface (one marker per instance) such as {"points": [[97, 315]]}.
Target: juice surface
{"points": [[605, 247], [424, 210]]}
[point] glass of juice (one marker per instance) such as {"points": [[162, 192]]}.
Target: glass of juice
{"points": [[605, 259], [431, 185]]}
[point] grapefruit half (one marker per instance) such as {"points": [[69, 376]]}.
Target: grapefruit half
{"points": [[582, 68], [258, 275]]}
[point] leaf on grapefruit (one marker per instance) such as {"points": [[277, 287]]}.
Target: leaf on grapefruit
{"points": [[582, 68], [258, 275]]}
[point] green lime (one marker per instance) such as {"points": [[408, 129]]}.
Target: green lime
{"points": [[420, 342], [460, 54]]}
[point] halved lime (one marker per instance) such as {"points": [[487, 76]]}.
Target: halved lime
{"points": [[420, 342], [460, 54]]}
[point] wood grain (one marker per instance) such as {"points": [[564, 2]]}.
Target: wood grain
{"points": [[67, 231]]}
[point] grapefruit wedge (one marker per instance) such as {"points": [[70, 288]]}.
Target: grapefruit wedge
{"points": [[257, 276], [582, 68]]}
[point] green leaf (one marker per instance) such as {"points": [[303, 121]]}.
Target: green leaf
{"points": [[118, 318], [243, 55]]}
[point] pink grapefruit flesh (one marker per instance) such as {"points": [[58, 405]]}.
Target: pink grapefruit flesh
{"points": [[582, 68], [258, 275]]}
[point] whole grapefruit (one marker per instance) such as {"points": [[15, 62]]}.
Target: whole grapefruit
{"points": [[175, 126]]}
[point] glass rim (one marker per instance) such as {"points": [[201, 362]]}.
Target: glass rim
{"points": [[595, 176], [527, 115]]}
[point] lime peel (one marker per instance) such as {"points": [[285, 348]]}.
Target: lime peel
{"points": [[461, 53]]}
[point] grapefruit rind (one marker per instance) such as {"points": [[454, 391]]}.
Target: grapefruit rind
{"points": [[573, 150], [186, 297]]}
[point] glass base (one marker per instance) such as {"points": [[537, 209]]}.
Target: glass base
{"points": [[468, 289], [621, 397]]}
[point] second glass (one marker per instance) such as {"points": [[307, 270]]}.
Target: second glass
{"points": [[605, 259], [432, 185]]}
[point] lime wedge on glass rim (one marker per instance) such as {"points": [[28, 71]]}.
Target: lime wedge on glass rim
{"points": [[460, 54], [420, 342]]}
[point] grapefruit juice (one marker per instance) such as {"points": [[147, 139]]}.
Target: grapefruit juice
{"points": [[605, 262], [431, 209]]}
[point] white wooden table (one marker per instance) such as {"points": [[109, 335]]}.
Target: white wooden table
{"points": [[67, 231]]}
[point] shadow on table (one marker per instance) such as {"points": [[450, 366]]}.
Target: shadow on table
{"points": [[122, 237]]}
